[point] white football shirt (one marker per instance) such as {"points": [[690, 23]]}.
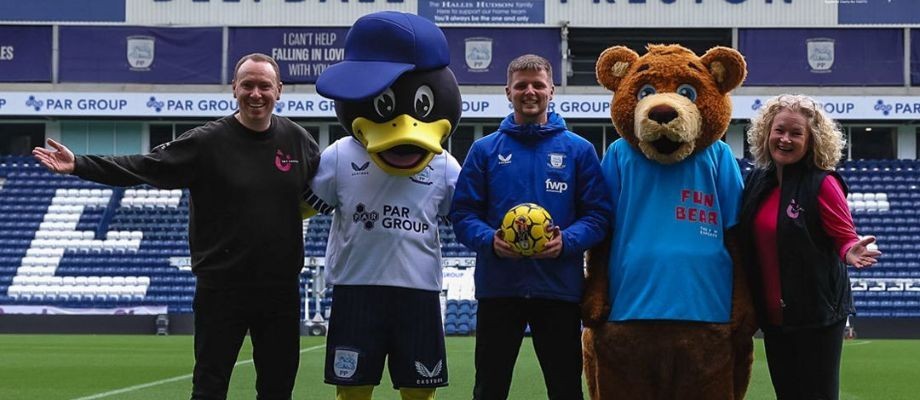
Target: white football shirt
{"points": [[385, 228]]}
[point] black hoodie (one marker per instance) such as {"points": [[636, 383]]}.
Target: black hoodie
{"points": [[245, 227]]}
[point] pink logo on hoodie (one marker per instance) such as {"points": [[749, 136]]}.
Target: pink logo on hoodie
{"points": [[793, 210], [283, 161]]}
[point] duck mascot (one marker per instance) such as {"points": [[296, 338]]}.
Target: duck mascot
{"points": [[389, 184]]}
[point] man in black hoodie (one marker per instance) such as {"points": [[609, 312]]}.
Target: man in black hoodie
{"points": [[245, 174]]}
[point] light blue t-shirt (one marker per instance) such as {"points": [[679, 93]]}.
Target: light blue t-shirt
{"points": [[668, 259]]}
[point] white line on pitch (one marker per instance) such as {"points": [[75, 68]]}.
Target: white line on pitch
{"points": [[859, 343], [168, 380]]}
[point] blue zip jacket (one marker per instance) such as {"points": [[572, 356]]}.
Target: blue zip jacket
{"points": [[543, 164]]}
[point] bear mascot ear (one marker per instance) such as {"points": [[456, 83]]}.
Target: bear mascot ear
{"points": [[727, 67], [613, 64]]}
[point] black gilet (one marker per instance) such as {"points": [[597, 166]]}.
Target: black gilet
{"points": [[814, 282]]}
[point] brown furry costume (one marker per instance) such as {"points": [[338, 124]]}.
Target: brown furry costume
{"points": [[666, 359]]}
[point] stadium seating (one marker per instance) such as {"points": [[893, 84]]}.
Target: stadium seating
{"points": [[885, 202], [71, 243]]}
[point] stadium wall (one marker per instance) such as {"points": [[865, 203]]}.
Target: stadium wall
{"points": [[886, 328], [183, 324], [179, 324]]}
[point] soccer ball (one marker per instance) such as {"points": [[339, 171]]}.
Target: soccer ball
{"points": [[527, 227]]}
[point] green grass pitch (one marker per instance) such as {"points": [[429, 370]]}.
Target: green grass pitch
{"points": [[69, 367]]}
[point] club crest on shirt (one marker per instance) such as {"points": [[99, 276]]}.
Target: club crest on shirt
{"points": [[423, 177], [556, 160]]}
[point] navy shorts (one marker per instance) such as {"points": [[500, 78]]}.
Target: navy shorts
{"points": [[370, 324]]}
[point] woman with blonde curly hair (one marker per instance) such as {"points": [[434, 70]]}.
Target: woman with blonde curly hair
{"points": [[798, 238]]}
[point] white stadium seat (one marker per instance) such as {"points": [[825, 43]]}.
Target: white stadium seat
{"points": [[884, 205]]}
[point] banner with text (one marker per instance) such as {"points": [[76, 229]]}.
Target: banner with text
{"points": [[878, 11], [303, 105], [301, 53], [581, 13], [480, 56], [140, 55], [25, 53], [821, 57], [483, 11]]}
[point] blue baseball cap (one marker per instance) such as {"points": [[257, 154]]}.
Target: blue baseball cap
{"points": [[379, 48]]}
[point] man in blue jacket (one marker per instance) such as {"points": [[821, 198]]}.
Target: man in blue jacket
{"points": [[532, 158]]}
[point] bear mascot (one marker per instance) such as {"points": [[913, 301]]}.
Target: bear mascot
{"points": [[389, 182], [666, 305]]}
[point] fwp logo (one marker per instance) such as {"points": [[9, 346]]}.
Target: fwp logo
{"points": [[556, 187]]}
